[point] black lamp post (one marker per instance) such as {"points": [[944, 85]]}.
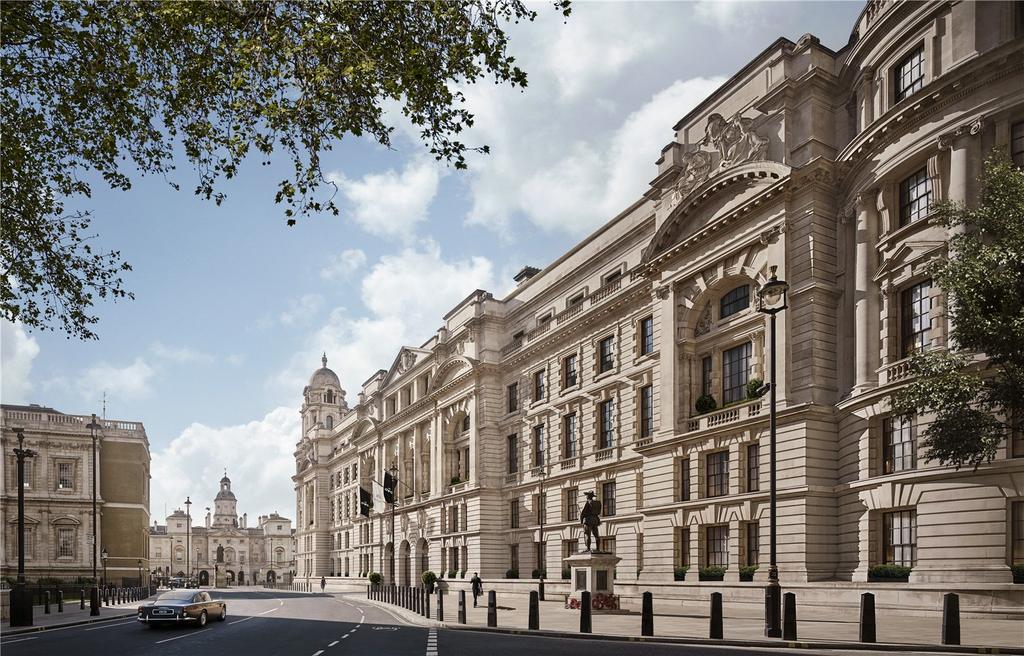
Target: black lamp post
{"points": [[94, 592], [188, 527], [21, 598], [140, 572], [103, 556], [393, 470], [541, 512], [772, 300]]}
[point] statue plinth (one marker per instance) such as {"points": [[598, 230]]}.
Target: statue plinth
{"points": [[594, 572], [220, 578]]}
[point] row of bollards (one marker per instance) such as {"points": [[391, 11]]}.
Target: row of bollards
{"points": [[117, 595], [417, 600]]}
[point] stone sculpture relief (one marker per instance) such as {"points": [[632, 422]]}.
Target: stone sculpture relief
{"points": [[704, 322]]}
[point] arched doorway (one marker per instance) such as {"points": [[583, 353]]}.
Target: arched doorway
{"points": [[204, 578], [404, 562], [241, 577], [389, 562], [230, 576], [271, 576], [423, 547], [180, 573]]}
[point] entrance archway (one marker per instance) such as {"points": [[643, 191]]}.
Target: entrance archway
{"points": [[204, 578], [241, 577], [389, 562], [404, 562], [271, 576], [230, 576]]}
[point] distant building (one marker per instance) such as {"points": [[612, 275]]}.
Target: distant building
{"points": [[252, 555], [58, 495]]}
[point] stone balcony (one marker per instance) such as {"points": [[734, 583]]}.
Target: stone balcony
{"points": [[727, 415]]}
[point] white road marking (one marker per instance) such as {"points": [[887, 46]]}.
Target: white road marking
{"points": [[107, 626], [344, 636], [432, 643], [185, 635], [11, 642], [244, 619], [333, 643], [317, 653]]}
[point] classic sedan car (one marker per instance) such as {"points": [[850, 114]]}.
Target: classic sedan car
{"points": [[178, 606]]}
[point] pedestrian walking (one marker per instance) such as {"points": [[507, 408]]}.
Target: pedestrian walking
{"points": [[478, 587], [323, 583]]}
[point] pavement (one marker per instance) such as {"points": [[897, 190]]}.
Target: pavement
{"points": [[72, 615], [271, 622]]}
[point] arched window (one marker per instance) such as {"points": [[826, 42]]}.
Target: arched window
{"points": [[329, 397], [329, 422], [734, 301]]}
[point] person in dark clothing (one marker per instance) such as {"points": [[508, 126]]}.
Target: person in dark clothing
{"points": [[323, 583], [478, 587]]}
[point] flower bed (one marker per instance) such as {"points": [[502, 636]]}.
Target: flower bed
{"points": [[599, 601]]}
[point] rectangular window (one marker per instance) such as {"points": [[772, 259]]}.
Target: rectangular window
{"points": [[915, 197], [513, 453], [606, 545], [908, 74], [646, 335], [569, 504], [606, 360], [539, 553], [453, 519], [915, 318], [538, 445], [753, 544], [1017, 140], [569, 371], [682, 547], [65, 475], [684, 479], [606, 428], [646, 411], [612, 277], [753, 468], [705, 375], [735, 373], [608, 499], [718, 474], [1017, 536], [513, 397], [65, 543], [513, 513], [734, 301], [899, 444], [900, 537], [538, 385], [717, 546], [569, 439], [540, 510], [513, 557]]}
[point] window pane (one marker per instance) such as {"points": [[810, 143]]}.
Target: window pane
{"points": [[900, 537], [753, 544], [513, 397], [718, 474], [736, 300], [569, 371], [899, 444], [538, 445], [915, 317], [909, 74], [569, 436], [705, 375], [607, 436], [684, 479], [718, 546], [646, 411], [513, 455], [608, 499], [538, 385], [753, 469], [915, 197], [606, 361], [646, 336], [735, 373]]}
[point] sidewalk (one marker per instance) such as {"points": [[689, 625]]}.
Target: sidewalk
{"points": [[742, 624], [71, 616]]}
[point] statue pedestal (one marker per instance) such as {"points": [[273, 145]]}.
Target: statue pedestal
{"points": [[594, 572], [220, 579]]}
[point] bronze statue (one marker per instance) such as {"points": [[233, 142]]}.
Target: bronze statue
{"points": [[220, 554], [590, 517]]}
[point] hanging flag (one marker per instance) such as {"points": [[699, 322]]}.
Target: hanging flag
{"points": [[365, 502], [378, 497], [390, 483]]}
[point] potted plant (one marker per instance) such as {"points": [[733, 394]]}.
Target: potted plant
{"points": [[429, 580], [566, 573], [889, 573], [705, 404], [753, 386], [679, 573], [462, 574], [747, 572], [712, 573], [375, 578], [451, 573], [512, 574], [456, 480]]}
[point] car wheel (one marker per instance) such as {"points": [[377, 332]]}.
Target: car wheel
{"points": [[223, 613], [202, 618]]}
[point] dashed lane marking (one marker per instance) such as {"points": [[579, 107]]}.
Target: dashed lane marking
{"points": [[11, 642], [107, 626], [333, 643], [317, 653], [432, 643]]}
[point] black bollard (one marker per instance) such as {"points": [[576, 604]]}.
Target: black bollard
{"points": [[789, 616], [440, 606], [106, 596], [647, 615], [534, 610], [46, 602], [81, 598], [585, 623], [60, 601], [950, 619], [367, 592], [716, 615], [867, 617], [492, 609], [426, 604], [540, 589], [462, 606]]}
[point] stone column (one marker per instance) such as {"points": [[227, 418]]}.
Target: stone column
{"points": [[472, 467], [665, 297], [865, 296]]}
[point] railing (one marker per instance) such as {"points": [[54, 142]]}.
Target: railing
{"points": [[897, 370], [512, 478], [604, 292], [569, 312], [512, 346], [75, 421], [643, 442], [604, 454], [540, 329], [726, 415], [568, 463]]}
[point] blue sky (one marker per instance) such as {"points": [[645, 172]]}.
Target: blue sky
{"points": [[233, 308]]}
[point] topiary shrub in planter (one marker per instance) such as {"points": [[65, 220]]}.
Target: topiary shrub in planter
{"points": [[705, 404], [747, 572], [712, 573], [512, 574], [566, 573], [1018, 573], [375, 578], [451, 573], [889, 573], [429, 578], [462, 574], [679, 573], [752, 386], [538, 574]]}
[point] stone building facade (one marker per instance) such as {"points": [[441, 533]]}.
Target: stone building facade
{"points": [[597, 373], [252, 555], [58, 495]]}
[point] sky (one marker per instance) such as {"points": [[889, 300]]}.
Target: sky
{"points": [[233, 308]]}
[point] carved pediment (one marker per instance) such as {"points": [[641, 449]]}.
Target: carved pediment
{"points": [[915, 254], [406, 359]]}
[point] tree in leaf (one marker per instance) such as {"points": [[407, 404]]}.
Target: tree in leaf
{"points": [[105, 90], [976, 389]]}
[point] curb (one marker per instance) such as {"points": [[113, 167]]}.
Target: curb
{"points": [[409, 616], [36, 629]]}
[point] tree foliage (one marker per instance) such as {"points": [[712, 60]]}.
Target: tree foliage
{"points": [[104, 90], [976, 391]]}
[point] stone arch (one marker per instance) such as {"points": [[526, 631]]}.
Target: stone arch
{"points": [[450, 369], [204, 577], [271, 576], [423, 550], [404, 563], [389, 563], [329, 422]]}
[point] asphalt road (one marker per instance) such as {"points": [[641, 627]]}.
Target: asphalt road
{"points": [[293, 624]]}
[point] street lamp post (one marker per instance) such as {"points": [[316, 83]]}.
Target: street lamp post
{"points": [[103, 556], [140, 572], [541, 512], [188, 527], [197, 567], [393, 470], [94, 592], [21, 598], [772, 300]]}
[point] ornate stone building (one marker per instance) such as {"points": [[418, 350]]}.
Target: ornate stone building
{"points": [[251, 554], [599, 372], [58, 495]]}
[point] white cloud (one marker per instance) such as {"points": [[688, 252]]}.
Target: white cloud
{"points": [[343, 264], [390, 204], [127, 382], [726, 15], [17, 351], [181, 354], [302, 310], [257, 455]]}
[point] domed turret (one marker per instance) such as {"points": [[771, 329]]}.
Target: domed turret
{"points": [[324, 377], [324, 400], [225, 506]]}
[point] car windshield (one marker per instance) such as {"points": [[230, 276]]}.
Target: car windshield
{"points": [[179, 595]]}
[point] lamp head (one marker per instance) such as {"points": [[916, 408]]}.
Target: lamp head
{"points": [[772, 294], [104, 554]]}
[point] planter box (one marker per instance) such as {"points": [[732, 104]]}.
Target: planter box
{"points": [[711, 577], [888, 579]]}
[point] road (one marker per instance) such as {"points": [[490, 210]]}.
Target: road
{"points": [[266, 622]]}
